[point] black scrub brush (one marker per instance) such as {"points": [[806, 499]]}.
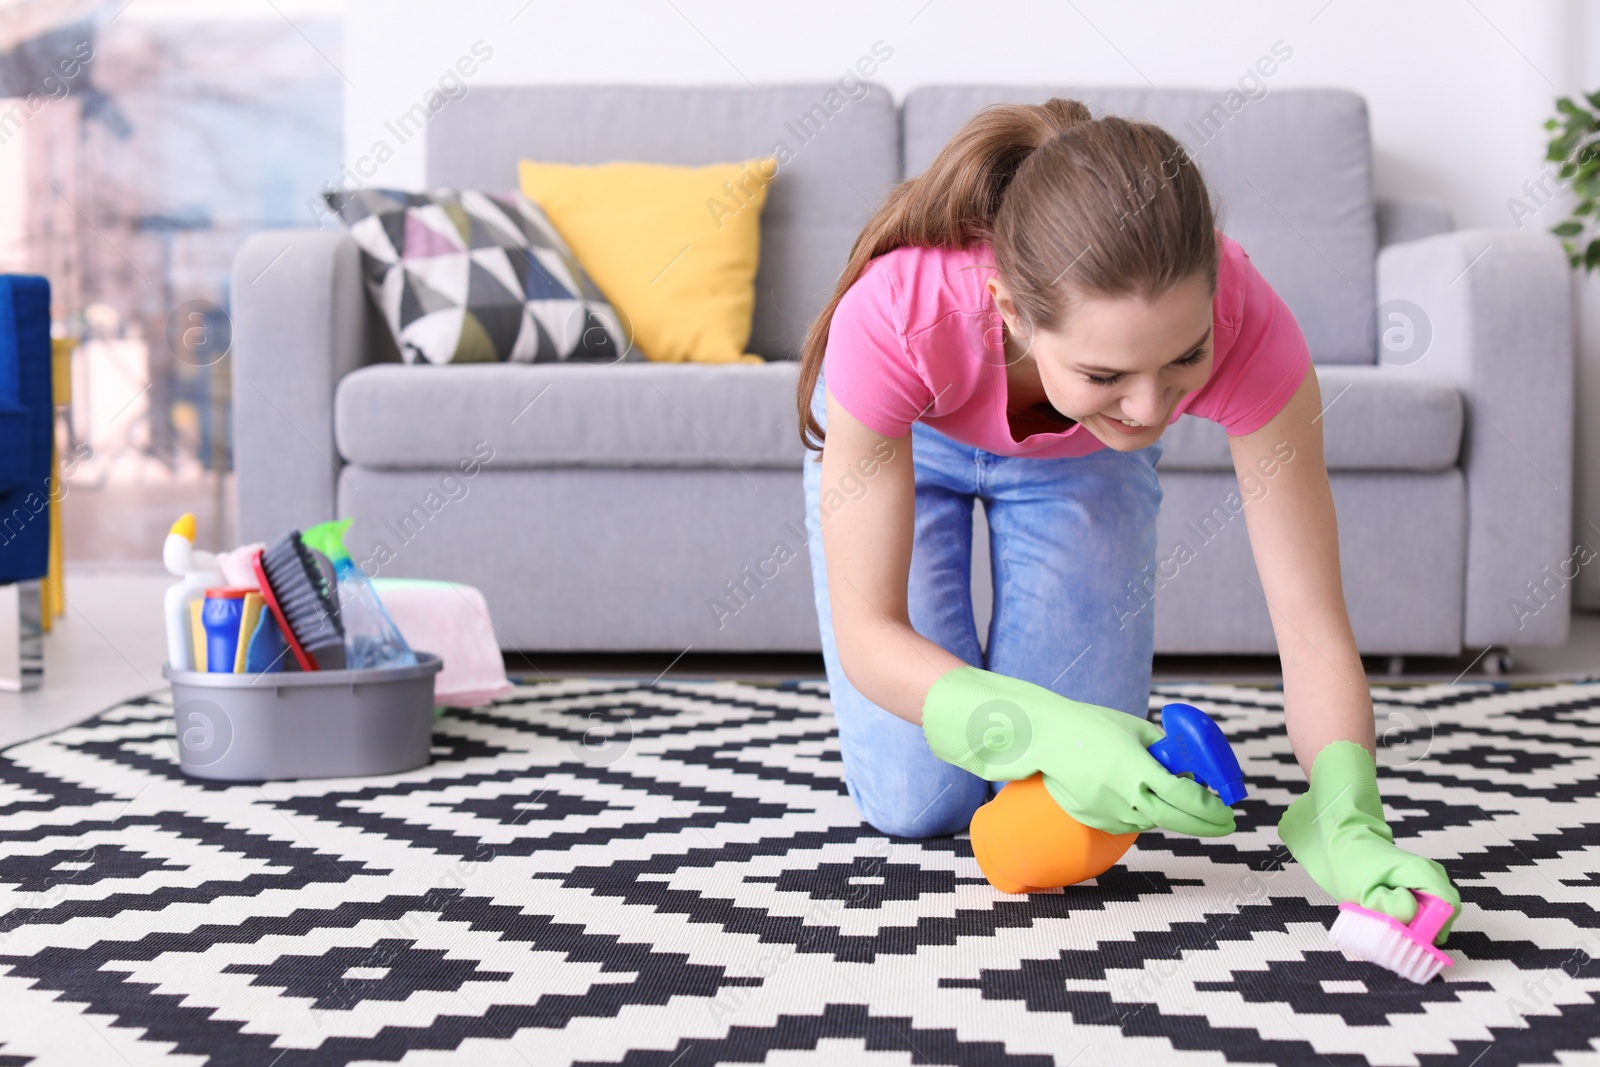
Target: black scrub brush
{"points": [[297, 591]]}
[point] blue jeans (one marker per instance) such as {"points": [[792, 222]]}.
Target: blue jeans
{"points": [[1069, 541]]}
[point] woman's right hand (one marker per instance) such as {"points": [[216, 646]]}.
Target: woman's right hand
{"points": [[1095, 760]]}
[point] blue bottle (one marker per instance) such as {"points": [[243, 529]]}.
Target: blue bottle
{"points": [[221, 615]]}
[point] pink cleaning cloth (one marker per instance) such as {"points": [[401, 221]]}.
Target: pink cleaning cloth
{"points": [[235, 566], [450, 620]]}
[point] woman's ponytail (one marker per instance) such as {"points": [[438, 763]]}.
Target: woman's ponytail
{"points": [[950, 205]]}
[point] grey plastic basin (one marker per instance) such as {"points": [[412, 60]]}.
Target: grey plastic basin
{"points": [[311, 724]]}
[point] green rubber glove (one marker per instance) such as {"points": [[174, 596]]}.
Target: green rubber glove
{"points": [[1337, 831], [1094, 758]]}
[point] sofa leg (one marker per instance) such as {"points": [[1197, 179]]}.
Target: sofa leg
{"points": [[1397, 665], [1497, 661], [21, 637]]}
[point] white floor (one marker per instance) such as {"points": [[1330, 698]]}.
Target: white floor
{"points": [[111, 645]]}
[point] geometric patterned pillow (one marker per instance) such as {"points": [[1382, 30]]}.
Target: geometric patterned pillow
{"points": [[473, 277]]}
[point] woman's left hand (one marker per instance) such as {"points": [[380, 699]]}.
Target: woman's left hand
{"points": [[1337, 832]]}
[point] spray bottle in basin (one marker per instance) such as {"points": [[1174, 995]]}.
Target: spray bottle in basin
{"points": [[371, 639], [1024, 842]]}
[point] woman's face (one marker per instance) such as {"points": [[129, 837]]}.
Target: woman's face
{"points": [[1122, 358]]}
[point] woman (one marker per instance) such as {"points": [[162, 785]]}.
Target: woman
{"points": [[1018, 325]]}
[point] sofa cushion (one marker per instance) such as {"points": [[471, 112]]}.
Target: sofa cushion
{"points": [[838, 155], [472, 277], [541, 415], [675, 249], [743, 417], [1372, 419], [1305, 215]]}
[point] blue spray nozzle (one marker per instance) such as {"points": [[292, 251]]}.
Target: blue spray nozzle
{"points": [[1195, 745]]}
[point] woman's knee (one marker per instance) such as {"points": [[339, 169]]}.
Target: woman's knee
{"points": [[944, 807]]}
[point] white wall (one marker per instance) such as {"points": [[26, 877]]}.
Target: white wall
{"points": [[1457, 91]]}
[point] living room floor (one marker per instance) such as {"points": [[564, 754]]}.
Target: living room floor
{"points": [[707, 892], [110, 647]]}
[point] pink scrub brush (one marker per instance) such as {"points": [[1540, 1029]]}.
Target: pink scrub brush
{"points": [[1363, 934]]}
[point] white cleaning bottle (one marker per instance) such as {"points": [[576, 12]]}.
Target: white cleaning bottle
{"points": [[196, 571]]}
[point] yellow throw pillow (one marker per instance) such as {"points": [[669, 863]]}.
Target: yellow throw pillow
{"points": [[674, 249]]}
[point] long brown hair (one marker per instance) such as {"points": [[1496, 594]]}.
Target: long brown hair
{"points": [[1116, 204]]}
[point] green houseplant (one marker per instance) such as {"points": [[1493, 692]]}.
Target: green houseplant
{"points": [[1577, 148]]}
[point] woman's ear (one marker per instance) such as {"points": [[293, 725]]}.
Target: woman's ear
{"points": [[1003, 303]]}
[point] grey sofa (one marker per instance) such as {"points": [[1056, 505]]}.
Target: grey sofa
{"points": [[659, 507]]}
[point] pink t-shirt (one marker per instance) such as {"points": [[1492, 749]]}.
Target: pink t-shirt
{"points": [[913, 340]]}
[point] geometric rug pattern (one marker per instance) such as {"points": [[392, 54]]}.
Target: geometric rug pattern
{"points": [[672, 874]]}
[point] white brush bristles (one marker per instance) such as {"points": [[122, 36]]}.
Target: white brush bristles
{"points": [[1362, 938]]}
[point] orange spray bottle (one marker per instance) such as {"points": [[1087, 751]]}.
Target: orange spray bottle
{"points": [[1024, 842]]}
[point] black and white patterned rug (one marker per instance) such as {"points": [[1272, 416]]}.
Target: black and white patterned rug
{"points": [[671, 874]]}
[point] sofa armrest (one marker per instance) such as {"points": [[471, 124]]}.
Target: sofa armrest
{"points": [[1499, 307], [301, 322]]}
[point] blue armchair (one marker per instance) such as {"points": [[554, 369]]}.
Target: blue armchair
{"points": [[25, 439]]}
